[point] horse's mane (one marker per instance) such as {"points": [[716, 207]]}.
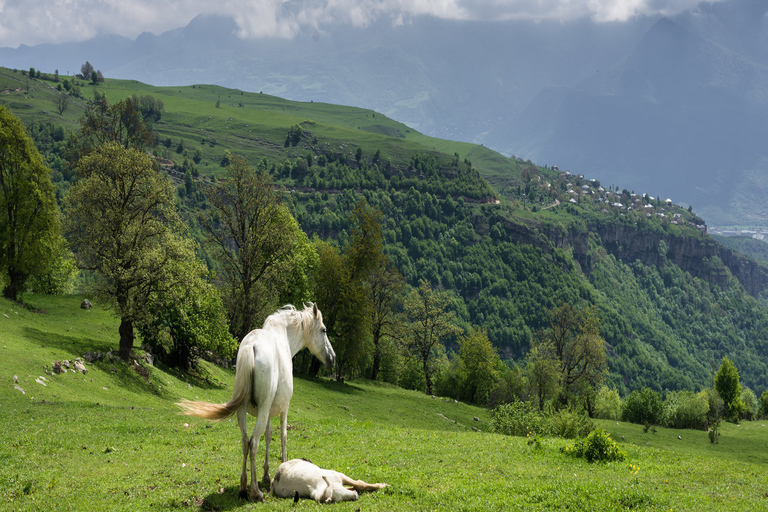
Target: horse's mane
{"points": [[304, 318]]}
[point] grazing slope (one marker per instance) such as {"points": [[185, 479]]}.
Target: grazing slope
{"points": [[112, 439]]}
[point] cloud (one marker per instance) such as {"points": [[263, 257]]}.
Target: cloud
{"points": [[37, 21]]}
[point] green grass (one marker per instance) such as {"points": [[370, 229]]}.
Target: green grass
{"points": [[109, 440]]}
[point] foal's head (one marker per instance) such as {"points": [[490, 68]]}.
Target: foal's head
{"points": [[317, 339]]}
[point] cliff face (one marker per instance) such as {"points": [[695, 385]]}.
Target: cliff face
{"points": [[702, 258]]}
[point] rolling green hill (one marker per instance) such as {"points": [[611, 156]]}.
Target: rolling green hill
{"points": [[111, 439], [507, 238]]}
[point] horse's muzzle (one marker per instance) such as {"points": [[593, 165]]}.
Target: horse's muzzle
{"points": [[329, 361]]}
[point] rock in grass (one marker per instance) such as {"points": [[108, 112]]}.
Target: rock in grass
{"points": [[86, 304]]}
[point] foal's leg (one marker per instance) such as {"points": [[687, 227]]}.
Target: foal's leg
{"points": [[359, 485], [242, 416]]}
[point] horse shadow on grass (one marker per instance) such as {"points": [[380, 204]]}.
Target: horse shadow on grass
{"points": [[332, 385], [225, 498]]}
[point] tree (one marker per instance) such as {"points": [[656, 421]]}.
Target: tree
{"points": [[254, 237], [728, 387], [573, 336], [386, 284], [122, 123], [749, 403], [187, 321], [29, 216], [430, 323], [346, 307], [86, 70], [62, 102], [122, 222], [543, 371], [763, 410], [345, 294], [608, 403], [643, 407], [480, 367]]}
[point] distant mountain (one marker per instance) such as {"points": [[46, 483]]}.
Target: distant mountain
{"points": [[679, 116], [674, 107]]}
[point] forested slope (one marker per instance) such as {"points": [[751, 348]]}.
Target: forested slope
{"points": [[507, 238]]}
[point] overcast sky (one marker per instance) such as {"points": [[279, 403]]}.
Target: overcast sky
{"points": [[37, 21]]}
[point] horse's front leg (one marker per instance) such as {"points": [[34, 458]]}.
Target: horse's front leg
{"points": [[284, 434], [242, 416], [266, 482]]}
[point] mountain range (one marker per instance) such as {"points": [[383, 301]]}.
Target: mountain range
{"points": [[672, 107]]}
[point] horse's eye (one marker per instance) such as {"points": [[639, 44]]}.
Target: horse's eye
{"points": [[324, 329]]}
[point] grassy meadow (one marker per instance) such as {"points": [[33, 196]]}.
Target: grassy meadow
{"points": [[113, 440]]}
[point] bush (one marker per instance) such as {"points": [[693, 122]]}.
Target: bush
{"points": [[596, 447], [608, 404], [684, 409], [569, 424], [518, 419], [642, 407]]}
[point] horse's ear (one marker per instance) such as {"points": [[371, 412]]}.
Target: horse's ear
{"points": [[314, 310]]}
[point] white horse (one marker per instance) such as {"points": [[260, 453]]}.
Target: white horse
{"points": [[299, 478], [264, 382]]}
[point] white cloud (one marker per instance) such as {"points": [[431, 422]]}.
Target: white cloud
{"points": [[37, 21]]}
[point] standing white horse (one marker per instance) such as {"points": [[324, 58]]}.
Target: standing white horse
{"points": [[264, 382]]}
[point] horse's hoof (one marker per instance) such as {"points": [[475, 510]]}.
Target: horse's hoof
{"points": [[259, 497], [243, 495]]}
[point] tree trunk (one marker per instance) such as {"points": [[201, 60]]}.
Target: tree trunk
{"points": [[376, 360], [16, 282], [427, 377], [126, 338]]}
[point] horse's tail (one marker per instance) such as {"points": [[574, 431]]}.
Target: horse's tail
{"points": [[242, 393]]}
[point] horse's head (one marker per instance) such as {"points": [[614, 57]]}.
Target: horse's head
{"points": [[318, 343]]}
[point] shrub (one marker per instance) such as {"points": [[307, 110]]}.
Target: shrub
{"points": [[596, 447], [608, 404], [642, 407], [518, 419], [684, 409], [569, 424]]}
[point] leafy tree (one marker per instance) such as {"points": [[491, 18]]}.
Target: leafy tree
{"points": [[763, 410], [608, 403], [543, 371], [102, 123], [86, 70], [122, 222], [29, 217], [728, 387], [574, 339], [749, 403], [187, 321], [345, 303], [684, 409], [480, 366], [254, 236], [430, 323], [62, 102], [94, 76], [643, 407], [386, 284]]}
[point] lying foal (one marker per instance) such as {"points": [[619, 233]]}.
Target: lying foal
{"points": [[299, 478]]}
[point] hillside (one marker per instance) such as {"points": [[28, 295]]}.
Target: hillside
{"points": [[508, 238], [112, 439]]}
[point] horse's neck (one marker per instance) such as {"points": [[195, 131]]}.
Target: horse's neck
{"points": [[296, 339]]}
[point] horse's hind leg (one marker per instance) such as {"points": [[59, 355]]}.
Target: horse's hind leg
{"points": [[262, 422], [284, 435], [266, 482], [241, 420]]}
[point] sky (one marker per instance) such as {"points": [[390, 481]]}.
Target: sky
{"points": [[32, 22]]}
